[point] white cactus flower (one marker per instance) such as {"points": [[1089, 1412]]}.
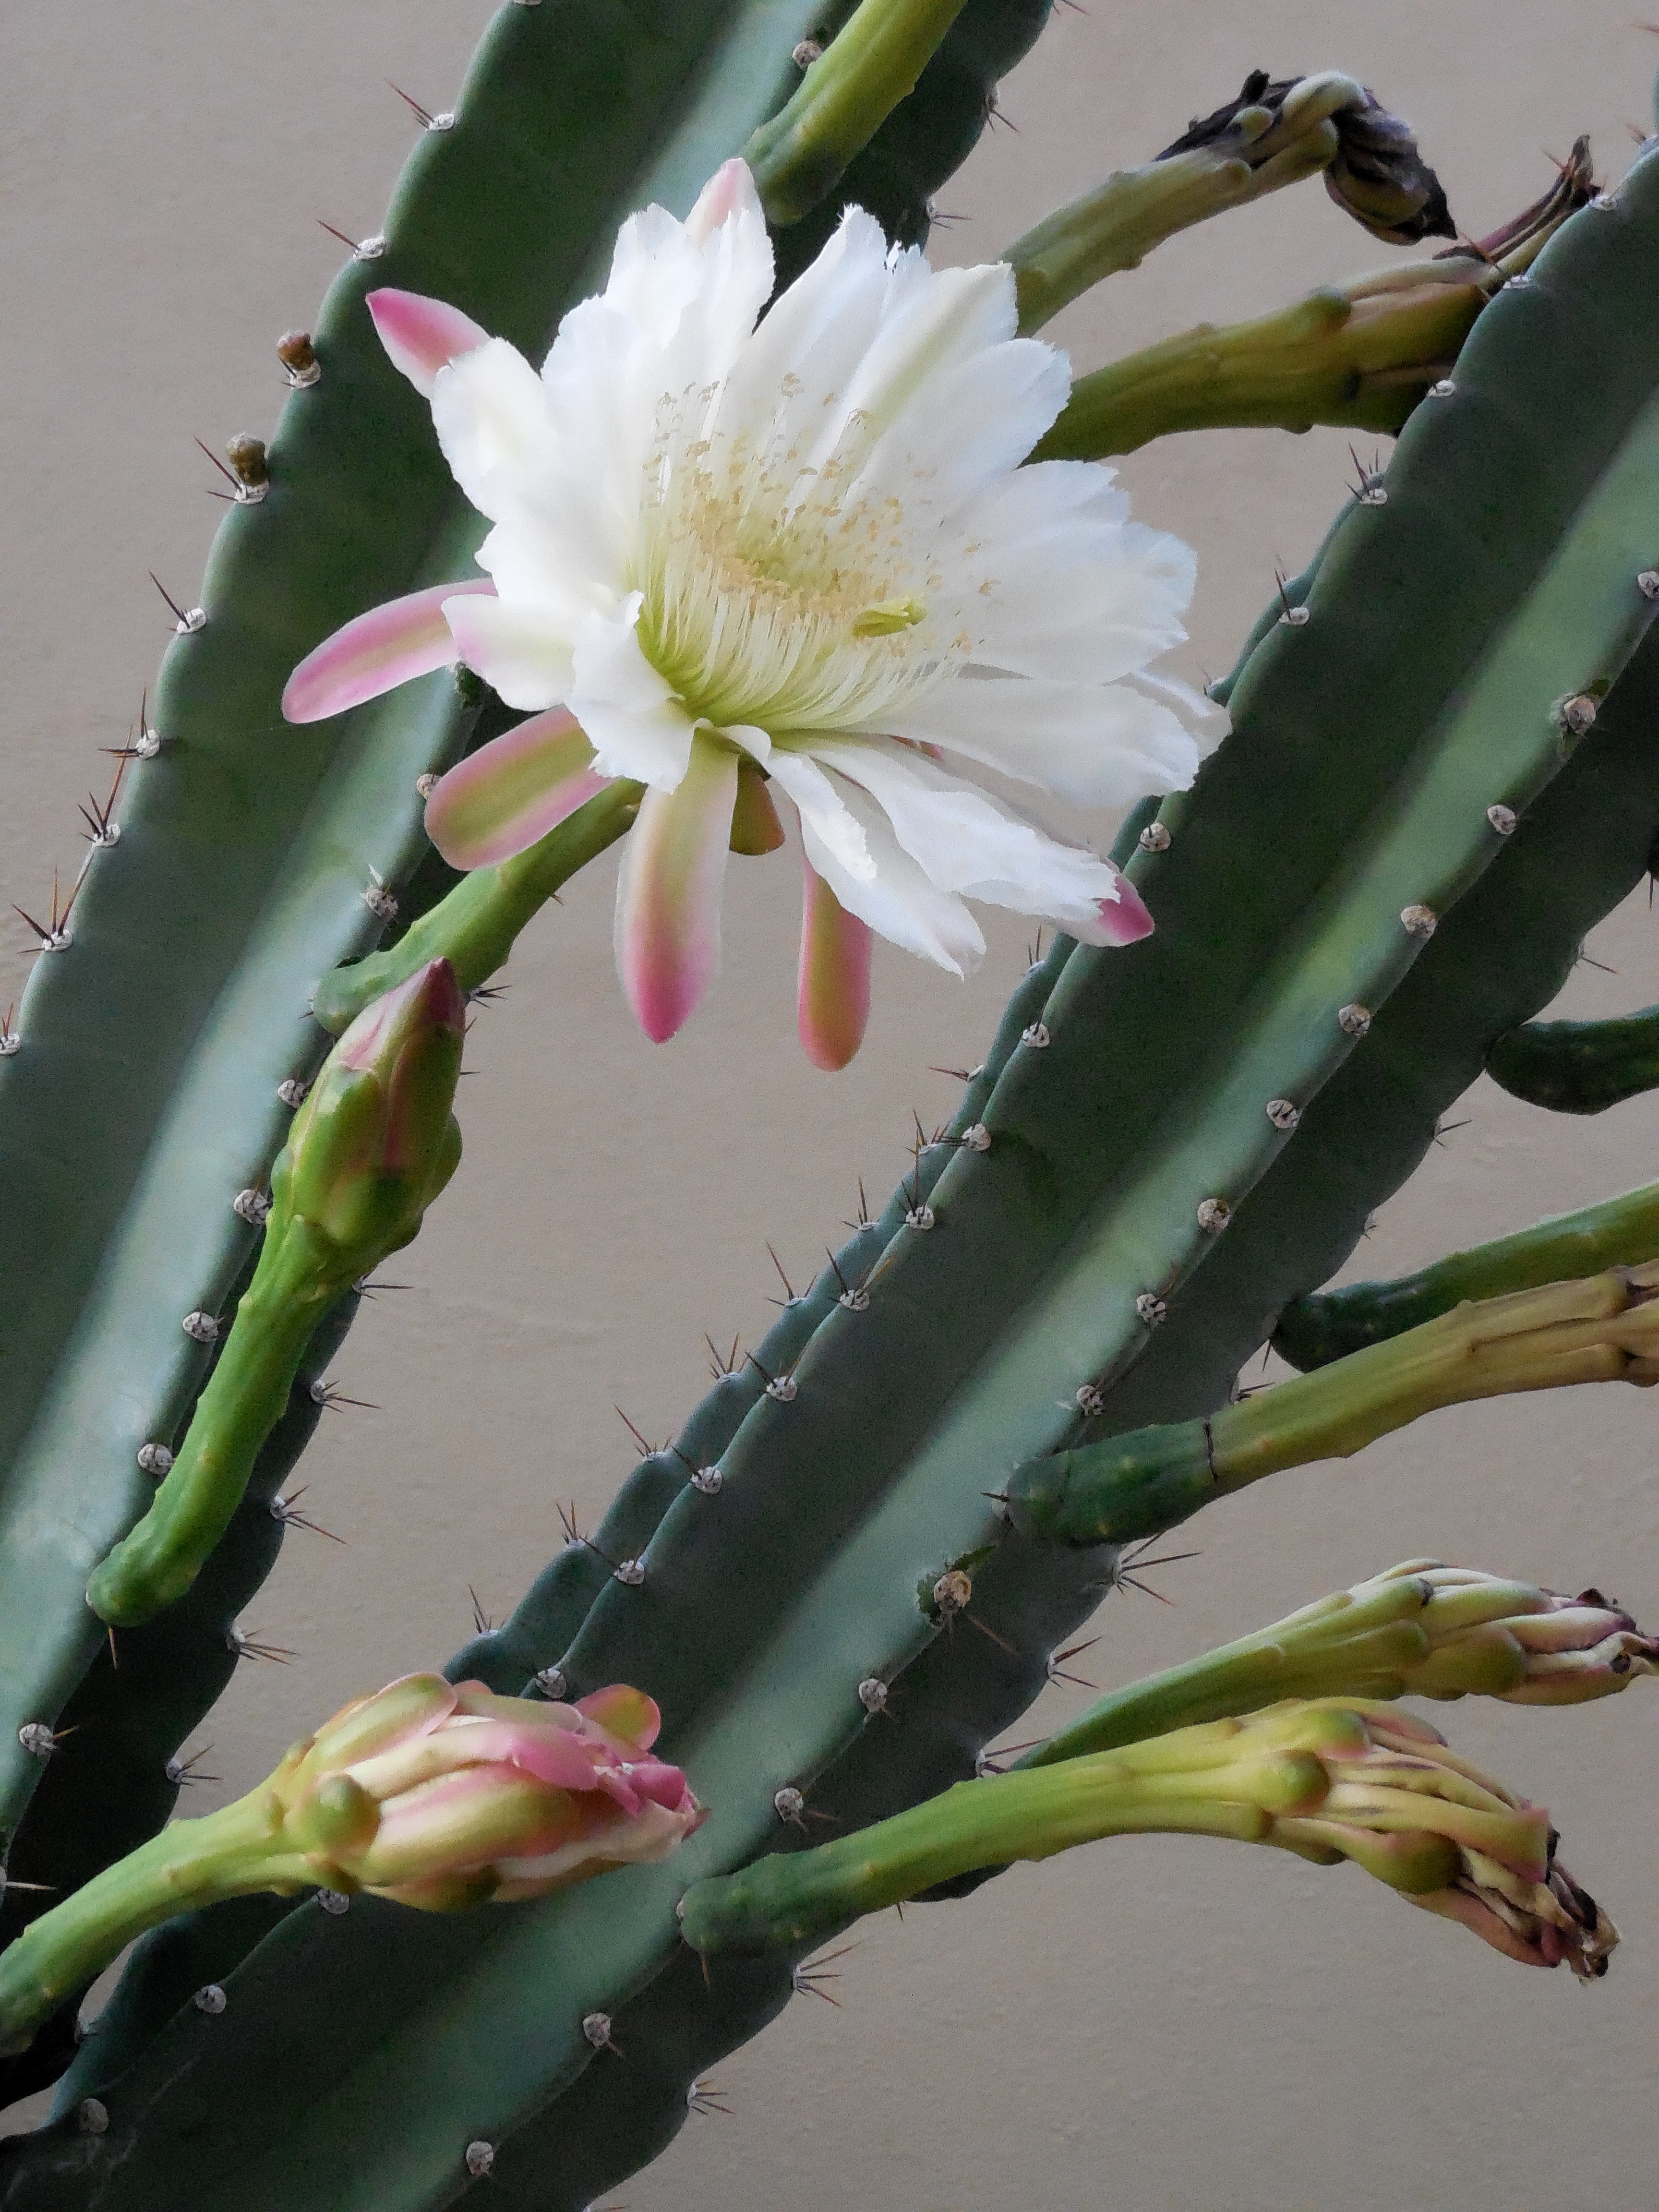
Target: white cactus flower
{"points": [[734, 558]]}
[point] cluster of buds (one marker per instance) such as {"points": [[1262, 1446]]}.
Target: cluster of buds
{"points": [[1508, 1639], [435, 1793]]}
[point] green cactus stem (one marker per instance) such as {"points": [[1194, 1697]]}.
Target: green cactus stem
{"points": [[372, 1145], [1604, 1329], [1265, 143], [1579, 1068], [1618, 1232], [475, 925], [849, 90]]}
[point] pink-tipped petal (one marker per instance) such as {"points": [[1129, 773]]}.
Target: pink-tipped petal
{"points": [[387, 646], [832, 1000], [512, 791], [421, 336], [623, 1712], [1124, 919], [731, 188], [668, 895]]}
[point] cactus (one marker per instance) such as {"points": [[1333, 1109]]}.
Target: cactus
{"points": [[1578, 1067], [1164, 1148]]}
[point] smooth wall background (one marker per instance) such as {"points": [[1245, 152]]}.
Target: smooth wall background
{"points": [[1147, 2024]]}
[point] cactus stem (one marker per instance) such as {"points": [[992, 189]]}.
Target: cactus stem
{"points": [[282, 1511], [186, 620], [1054, 1666], [362, 249], [443, 121], [253, 1647], [810, 1975]]}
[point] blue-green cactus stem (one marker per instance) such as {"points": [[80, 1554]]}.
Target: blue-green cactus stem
{"points": [[847, 94], [145, 1094], [1579, 1068], [1618, 1232], [1604, 1328], [474, 925]]}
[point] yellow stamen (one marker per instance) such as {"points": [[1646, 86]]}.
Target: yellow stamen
{"points": [[887, 621]]}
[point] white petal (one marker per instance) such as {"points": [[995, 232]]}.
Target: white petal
{"points": [[656, 270], [524, 658], [896, 900], [824, 809], [1094, 745], [966, 843], [538, 565], [635, 724], [1208, 722], [968, 426], [492, 423]]}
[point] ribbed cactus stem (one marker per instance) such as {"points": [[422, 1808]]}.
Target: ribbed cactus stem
{"points": [[1618, 1232], [1604, 1329], [1579, 1068], [474, 928], [848, 92]]}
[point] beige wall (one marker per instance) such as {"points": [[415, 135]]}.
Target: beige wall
{"points": [[1145, 2025]]}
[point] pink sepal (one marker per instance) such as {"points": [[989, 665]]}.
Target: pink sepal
{"points": [[381, 649], [513, 791], [421, 336], [832, 993]]}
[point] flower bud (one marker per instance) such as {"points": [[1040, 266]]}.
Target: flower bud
{"points": [[375, 1141], [441, 1794]]}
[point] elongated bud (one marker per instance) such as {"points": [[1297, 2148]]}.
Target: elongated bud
{"points": [[1512, 1640], [438, 1795], [375, 1141]]}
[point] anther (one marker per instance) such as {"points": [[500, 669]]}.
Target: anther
{"points": [[254, 1205], [1443, 389], [92, 2117], [155, 1458], [1155, 837], [298, 356], [707, 1479], [596, 2027], [975, 1138], [1213, 1215], [921, 1217], [292, 1090], [1090, 1400], [789, 1803], [480, 2157], [872, 1694], [247, 456], [202, 1327], [210, 1999], [951, 1593], [1037, 1036], [1418, 920], [426, 785], [1151, 1310], [1577, 714], [1354, 1019], [1648, 583], [630, 1572], [1504, 818], [380, 902], [551, 1682], [1283, 1114], [334, 1902], [807, 53], [38, 1739]]}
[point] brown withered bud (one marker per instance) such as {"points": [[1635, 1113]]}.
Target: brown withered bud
{"points": [[1377, 175], [299, 357]]}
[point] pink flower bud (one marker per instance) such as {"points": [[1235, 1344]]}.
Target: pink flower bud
{"points": [[477, 1797]]}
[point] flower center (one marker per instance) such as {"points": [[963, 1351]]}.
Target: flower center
{"points": [[770, 602]]}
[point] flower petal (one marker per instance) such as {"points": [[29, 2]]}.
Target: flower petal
{"points": [[729, 192], [966, 842], [623, 1712], [896, 898], [491, 416], [832, 993], [512, 791], [637, 725], [516, 651], [378, 651], [421, 336], [668, 895], [1093, 744]]}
